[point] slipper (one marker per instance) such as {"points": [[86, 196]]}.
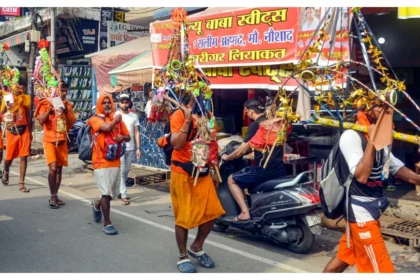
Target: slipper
{"points": [[97, 214], [202, 258], [238, 220], [60, 202], [185, 266], [125, 201], [53, 204], [23, 189], [110, 230], [390, 188], [3, 180]]}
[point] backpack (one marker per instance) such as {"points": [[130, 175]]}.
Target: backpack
{"points": [[85, 142], [335, 182]]}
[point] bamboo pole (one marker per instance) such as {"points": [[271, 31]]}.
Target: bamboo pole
{"points": [[348, 125], [196, 176], [216, 168]]}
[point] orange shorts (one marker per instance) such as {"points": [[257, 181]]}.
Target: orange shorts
{"points": [[367, 248], [18, 145], [57, 153]]}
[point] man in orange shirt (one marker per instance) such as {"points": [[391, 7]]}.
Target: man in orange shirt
{"points": [[109, 134], [18, 134], [56, 124], [194, 206]]}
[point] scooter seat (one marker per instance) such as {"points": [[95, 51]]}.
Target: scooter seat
{"points": [[270, 185]]}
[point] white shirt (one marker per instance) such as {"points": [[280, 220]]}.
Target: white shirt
{"points": [[351, 148], [148, 108], [307, 27], [131, 121]]}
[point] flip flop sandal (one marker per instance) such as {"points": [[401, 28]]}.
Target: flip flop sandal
{"points": [[60, 202], [23, 189], [125, 201], [390, 188], [97, 214], [53, 204], [202, 258], [110, 230], [185, 266], [5, 181], [238, 220]]}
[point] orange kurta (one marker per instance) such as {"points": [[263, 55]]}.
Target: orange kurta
{"points": [[18, 145], [193, 205], [98, 159], [55, 143]]}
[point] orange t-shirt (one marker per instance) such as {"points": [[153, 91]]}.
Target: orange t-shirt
{"points": [[49, 134], [185, 154], [98, 157]]}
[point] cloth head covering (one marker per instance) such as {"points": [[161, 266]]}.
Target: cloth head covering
{"points": [[100, 108]]}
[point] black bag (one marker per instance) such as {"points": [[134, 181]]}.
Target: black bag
{"points": [[85, 142], [17, 130], [189, 168]]}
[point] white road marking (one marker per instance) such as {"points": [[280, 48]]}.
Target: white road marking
{"points": [[163, 227], [4, 218]]}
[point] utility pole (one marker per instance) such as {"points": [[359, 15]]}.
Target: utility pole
{"points": [[31, 66], [53, 15]]}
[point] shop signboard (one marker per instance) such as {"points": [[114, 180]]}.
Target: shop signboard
{"points": [[106, 16], [119, 33], [256, 76], [252, 36], [10, 11], [77, 37]]}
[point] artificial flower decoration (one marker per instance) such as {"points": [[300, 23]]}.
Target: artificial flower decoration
{"points": [[178, 16], [43, 44]]}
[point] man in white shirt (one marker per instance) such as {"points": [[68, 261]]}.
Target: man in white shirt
{"points": [[366, 202], [131, 121], [312, 22], [148, 108]]}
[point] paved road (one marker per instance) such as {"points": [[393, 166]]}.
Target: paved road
{"points": [[35, 238]]}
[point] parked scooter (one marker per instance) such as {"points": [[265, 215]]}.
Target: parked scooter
{"points": [[284, 210]]}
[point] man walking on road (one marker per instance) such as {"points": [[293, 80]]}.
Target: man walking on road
{"points": [[56, 124], [366, 202], [194, 206], [18, 134], [109, 134], [131, 121]]}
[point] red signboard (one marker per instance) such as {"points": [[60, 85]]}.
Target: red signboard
{"points": [[253, 36], [10, 11], [256, 76]]}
